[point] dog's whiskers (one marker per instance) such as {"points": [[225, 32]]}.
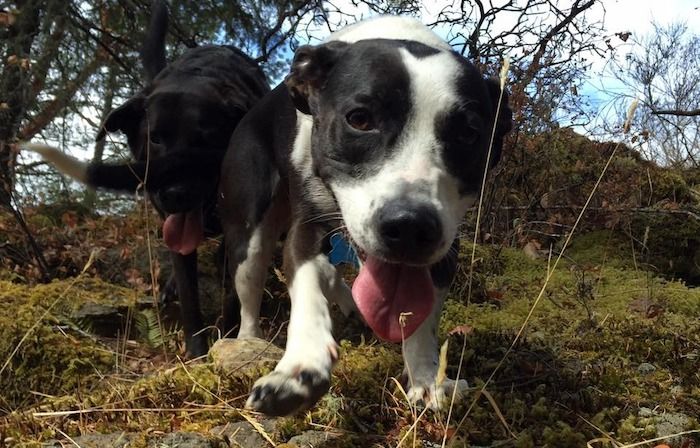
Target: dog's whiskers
{"points": [[323, 217], [332, 231]]}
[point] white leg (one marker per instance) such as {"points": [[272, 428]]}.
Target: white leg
{"points": [[251, 273], [249, 282], [303, 374], [420, 354]]}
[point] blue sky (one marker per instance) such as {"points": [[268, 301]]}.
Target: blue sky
{"points": [[635, 16]]}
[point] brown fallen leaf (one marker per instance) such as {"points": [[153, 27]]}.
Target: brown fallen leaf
{"points": [[532, 250], [7, 19], [494, 294], [647, 307], [461, 329]]}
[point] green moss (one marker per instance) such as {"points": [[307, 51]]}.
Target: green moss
{"points": [[361, 384], [487, 261], [602, 248], [562, 435], [42, 354], [580, 356], [592, 368]]}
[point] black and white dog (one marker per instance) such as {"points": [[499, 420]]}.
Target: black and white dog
{"points": [[381, 132]]}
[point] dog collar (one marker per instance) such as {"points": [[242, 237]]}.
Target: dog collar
{"points": [[342, 251]]}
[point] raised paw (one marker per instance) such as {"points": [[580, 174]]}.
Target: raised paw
{"points": [[437, 397], [283, 393]]}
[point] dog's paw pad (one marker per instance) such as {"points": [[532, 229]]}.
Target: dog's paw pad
{"points": [[437, 397], [281, 393]]}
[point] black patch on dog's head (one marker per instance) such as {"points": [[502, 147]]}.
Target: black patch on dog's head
{"points": [[366, 76], [417, 49], [466, 129]]}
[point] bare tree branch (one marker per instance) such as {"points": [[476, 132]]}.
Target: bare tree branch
{"points": [[680, 113], [53, 108]]}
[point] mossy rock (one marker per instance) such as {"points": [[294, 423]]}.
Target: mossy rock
{"points": [[40, 350], [55, 212], [671, 244]]}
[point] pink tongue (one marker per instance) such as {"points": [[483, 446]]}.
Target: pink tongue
{"points": [[382, 291], [183, 232]]}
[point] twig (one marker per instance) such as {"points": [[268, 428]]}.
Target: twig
{"points": [[682, 113]]}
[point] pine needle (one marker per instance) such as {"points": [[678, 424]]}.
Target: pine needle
{"points": [[258, 427], [495, 407]]}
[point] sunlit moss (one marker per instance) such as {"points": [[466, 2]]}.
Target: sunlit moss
{"points": [[42, 352]]}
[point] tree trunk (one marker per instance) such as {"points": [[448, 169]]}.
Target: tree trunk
{"points": [[110, 88], [14, 85]]}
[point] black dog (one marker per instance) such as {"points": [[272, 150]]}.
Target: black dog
{"points": [[380, 134], [177, 128]]}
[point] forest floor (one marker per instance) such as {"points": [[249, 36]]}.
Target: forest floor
{"points": [[610, 356]]}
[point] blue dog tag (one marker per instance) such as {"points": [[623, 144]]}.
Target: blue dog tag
{"points": [[342, 251]]}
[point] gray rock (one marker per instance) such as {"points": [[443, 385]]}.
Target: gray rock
{"points": [[181, 440], [310, 439], [108, 319], [645, 368], [672, 423], [113, 440], [244, 435], [646, 412], [243, 355], [125, 440], [667, 423]]}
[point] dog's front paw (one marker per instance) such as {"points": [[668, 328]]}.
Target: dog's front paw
{"points": [[437, 397], [283, 393]]}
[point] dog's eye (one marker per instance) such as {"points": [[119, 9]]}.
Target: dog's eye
{"points": [[360, 119], [468, 136]]}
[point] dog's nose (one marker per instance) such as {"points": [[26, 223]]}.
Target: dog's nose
{"points": [[408, 230], [175, 198]]}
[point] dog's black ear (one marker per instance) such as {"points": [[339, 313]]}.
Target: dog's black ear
{"points": [[126, 118], [504, 121], [309, 72]]}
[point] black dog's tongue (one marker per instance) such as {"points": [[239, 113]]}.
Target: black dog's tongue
{"points": [[383, 291], [183, 232]]}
